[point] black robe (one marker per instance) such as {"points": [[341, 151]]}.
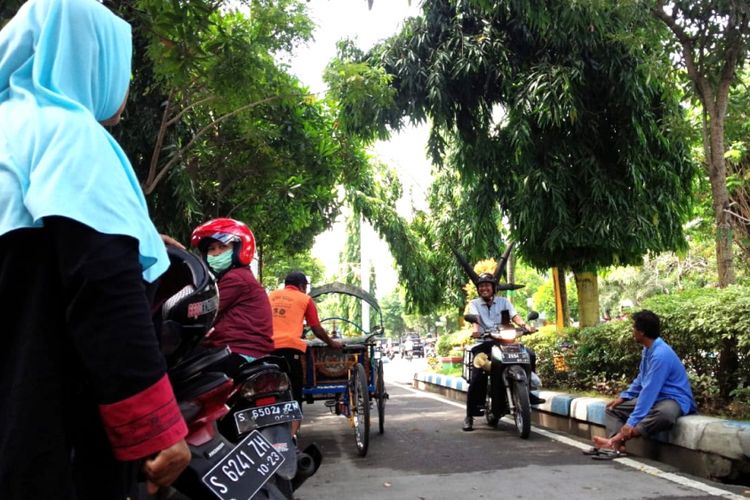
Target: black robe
{"points": [[76, 334]]}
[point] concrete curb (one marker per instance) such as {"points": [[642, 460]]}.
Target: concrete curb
{"points": [[721, 448]]}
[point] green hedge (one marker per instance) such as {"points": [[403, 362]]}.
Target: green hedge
{"points": [[452, 342]]}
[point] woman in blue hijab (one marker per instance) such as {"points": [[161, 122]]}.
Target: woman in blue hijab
{"points": [[83, 389]]}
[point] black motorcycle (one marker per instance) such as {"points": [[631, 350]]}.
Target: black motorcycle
{"points": [[264, 403], [509, 375]]}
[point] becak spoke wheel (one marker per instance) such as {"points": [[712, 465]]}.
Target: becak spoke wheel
{"points": [[360, 409]]}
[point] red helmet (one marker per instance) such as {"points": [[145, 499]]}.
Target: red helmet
{"points": [[227, 231]]}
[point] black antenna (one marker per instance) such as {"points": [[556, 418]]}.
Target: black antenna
{"points": [[473, 276], [500, 269], [500, 266]]}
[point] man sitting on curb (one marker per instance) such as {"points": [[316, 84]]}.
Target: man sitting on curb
{"points": [[655, 399]]}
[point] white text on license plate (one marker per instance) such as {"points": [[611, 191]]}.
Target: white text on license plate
{"points": [[245, 469]]}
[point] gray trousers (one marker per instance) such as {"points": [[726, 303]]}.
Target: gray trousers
{"points": [[662, 416]]}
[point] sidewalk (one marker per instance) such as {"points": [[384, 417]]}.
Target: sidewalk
{"points": [[708, 447]]}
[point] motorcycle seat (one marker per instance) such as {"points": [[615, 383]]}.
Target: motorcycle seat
{"points": [[196, 363]]}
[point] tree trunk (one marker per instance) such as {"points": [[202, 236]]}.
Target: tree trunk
{"points": [[587, 286], [260, 264], [562, 311], [717, 174], [511, 274]]}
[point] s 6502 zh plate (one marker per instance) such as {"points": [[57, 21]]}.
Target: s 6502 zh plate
{"points": [[245, 469], [262, 416]]}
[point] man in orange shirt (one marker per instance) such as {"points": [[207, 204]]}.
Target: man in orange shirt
{"points": [[291, 307]]}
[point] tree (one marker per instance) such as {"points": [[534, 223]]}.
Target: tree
{"points": [[278, 266], [714, 39], [544, 301], [393, 310], [350, 271], [216, 126], [738, 162], [560, 114]]}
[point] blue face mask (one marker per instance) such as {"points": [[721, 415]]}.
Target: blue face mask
{"points": [[221, 262]]}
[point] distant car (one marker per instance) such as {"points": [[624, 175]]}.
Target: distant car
{"points": [[417, 349]]}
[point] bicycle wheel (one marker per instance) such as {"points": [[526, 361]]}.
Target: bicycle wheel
{"points": [[381, 396], [360, 408]]}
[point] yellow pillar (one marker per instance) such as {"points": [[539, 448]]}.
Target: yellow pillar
{"points": [[559, 309]]}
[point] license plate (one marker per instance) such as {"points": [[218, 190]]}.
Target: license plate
{"points": [[245, 469], [262, 416], [514, 356]]}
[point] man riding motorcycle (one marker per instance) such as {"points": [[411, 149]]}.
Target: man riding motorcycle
{"points": [[491, 310]]}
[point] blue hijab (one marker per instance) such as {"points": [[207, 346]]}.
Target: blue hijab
{"points": [[64, 67]]}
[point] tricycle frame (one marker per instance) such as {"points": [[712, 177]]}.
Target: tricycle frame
{"points": [[355, 373]]}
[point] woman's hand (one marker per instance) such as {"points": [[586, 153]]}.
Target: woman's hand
{"points": [[169, 241], [166, 466]]}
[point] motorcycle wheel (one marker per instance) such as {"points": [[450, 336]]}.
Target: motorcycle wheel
{"points": [[490, 411], [522, 410], [360, 408]]}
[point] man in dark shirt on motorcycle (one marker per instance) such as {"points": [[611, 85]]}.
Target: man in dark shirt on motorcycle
{"points": [[491, 310]]}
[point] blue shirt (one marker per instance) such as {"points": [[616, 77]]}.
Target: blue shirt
{"points": [[490, 314], [661, 376]]}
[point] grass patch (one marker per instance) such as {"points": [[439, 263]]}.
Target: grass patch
{"points": [[454, 371]]}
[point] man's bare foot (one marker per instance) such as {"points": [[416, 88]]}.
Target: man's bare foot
{"points": [[601, 442], [609, 444]]}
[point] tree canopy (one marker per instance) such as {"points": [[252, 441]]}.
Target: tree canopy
{"points": [[551, 110], [216, 126]]}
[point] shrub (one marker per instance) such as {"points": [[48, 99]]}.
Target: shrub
{"points": [[453, 342], [553, 353], [695, 321], [603, 358], [443, 345]]}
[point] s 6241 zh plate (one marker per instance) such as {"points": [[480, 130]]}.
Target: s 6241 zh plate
{"points": [[244, 470]]}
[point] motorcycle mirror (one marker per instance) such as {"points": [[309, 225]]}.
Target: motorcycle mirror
{"points": [[532, 316], [471, 318]]}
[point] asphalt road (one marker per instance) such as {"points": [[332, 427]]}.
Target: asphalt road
{"points": [[424, 454]]}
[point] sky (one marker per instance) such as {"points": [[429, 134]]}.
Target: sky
{"points": [[405, 152]]}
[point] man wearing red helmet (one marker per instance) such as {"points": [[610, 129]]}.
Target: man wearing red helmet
{"points": [[244, 321]]}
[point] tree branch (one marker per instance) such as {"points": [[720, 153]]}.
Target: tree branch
{"points": [[686, 42], [732, 53], [740, 217], [188, 108], [178, 155], [157, 147]]}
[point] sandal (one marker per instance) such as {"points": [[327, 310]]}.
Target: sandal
{"points": [[609, 455], [591, 451]]}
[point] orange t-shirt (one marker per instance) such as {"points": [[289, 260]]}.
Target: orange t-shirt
{"points": [[290, 307]]}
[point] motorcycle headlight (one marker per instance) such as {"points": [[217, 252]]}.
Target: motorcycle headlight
{"points": [[265, 383]]}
